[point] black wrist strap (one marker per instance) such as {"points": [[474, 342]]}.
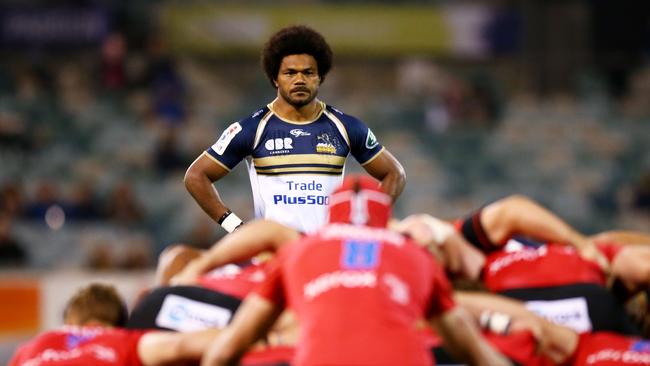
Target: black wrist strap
{"points": [[223, 217]]}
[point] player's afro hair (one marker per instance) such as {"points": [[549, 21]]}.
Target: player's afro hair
{"points": [[296, 40]]}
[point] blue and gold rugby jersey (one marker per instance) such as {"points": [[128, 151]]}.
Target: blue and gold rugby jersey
{"points": [[294, 166]]}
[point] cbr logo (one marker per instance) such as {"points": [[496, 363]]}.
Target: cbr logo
{"points": [[297, 132], [279, 144]]}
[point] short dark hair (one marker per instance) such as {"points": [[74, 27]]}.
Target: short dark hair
{"points": [[296, 40], [97, 302]]}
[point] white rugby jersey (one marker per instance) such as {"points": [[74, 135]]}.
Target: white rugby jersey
{"points": [[294, 166]]}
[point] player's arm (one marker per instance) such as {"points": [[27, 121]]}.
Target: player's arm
{"points": [[632, 266], [622, 237], [519, 215], [461, 337], [252, 321], [387, 169], [456, 327], [162, 348], [252, 239], [199, 179], [503, 315], [448, 246]]}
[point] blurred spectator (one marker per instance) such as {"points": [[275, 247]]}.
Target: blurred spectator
{"points": [[83, 204], [123, 207], [167, 86], [74, 89], [504, 31], [11, 200], [636, 104], [137, 254], [113, 56], [28, 85], [100, 257], [168, 158], [619, 34], [46, 196], [11, 252], [13, 131], [449, 100], [641, 195]]}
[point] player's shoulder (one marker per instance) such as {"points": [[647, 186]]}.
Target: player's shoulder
{"points": [[45, 339], [253, 119], [347, 119]]}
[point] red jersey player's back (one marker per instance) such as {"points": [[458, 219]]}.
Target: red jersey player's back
{"points": [[358, 293], [543, 266], [80, 346]]}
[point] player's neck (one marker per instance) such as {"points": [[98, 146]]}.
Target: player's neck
{"points": [[306, 113]]}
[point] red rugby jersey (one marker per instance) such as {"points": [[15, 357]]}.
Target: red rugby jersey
{"points": [[80, 346], [234, 280], [548, 265], [610, 349], [358, 293]]}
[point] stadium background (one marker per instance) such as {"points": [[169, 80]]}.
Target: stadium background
{"points": [[104, 104]]}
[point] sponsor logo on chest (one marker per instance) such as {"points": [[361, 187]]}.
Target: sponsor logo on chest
{"points": [[302, 193], [279, 145], [298, 132]]}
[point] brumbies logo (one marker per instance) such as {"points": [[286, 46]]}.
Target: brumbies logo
{"points": [[325, 145], [371, 140]]}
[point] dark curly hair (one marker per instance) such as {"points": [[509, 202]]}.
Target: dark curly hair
{"points": [[296, 40]]}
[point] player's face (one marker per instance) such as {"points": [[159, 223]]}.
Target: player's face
{"points": [[298, 79]]}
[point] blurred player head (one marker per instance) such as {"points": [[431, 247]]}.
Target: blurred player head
{"points": [[296, 60], [360, 201], [96, 304]]}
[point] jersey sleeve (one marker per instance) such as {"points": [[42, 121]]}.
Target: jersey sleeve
{"points": [[441, 299], [235, 143], [272, 288], [472, 230], [364, 145]]}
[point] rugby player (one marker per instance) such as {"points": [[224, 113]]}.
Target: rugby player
{"points": [[358, 291], [554, 280], [92, 336], [296, 146]]}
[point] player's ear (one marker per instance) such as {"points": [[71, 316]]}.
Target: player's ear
{"points": [[275, 82]]}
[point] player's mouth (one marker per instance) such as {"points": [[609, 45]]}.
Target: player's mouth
{"points": [[300, 89]]}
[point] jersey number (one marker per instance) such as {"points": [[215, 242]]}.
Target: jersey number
{"points": [[360, 255]]}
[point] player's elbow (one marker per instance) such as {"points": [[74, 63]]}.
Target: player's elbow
{"points": [[515, 205], [193, 177], [396, 179], [399, 173]]}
